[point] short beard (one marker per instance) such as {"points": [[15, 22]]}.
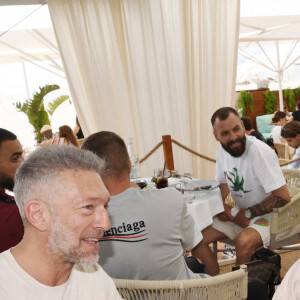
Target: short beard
{"points": [[237, 151], [64, 243], [6, 182]]}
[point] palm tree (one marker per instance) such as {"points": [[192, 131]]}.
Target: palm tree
{"points": [[35, 110]]}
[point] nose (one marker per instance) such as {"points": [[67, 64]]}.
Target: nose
{"points": [[102, 220], [232, 136]]}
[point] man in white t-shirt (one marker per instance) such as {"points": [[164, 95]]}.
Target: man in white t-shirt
{"points": [[150, 229], [290, 286], [62, 201], [249, 169]]}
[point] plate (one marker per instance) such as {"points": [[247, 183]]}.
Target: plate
{"points": [[197, 185]]}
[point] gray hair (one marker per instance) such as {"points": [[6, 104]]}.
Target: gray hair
{"points": [[39, 172]]}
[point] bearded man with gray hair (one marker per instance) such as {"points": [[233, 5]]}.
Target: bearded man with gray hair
{"points": [[62, 202]]}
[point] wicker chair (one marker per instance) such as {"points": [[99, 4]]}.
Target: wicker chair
{"points": [[284, 150], [292, 177], [229, 286], [285, 221], [283, 160]]}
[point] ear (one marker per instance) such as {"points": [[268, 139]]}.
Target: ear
{"points": [[242, 124], [216, 137], [37, 214]]}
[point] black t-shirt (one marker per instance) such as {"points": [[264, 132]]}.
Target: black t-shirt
{"points": [[79, 134], [296, 115], [258, 135]]}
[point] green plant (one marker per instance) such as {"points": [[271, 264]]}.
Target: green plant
{"points": [[270, 102], [244, 98], [290, 97], [297, 92], [35, 110]]}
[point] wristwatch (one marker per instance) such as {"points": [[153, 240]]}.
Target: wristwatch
{"points": [[248, 214]]}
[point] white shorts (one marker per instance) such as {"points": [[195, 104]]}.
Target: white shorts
{"points": [[261, 224]]}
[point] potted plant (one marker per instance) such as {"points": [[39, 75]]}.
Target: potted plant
{"points": [[35, 110], [245, 98], [289, 95], [270, 102], [297, 93]]}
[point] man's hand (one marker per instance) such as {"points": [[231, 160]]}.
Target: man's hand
{"points": [[226, 215], [240, 219], [187, 252]]}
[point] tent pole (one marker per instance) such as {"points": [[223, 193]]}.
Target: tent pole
{"points": [[26, 80], [280, 90], [279, 78]]}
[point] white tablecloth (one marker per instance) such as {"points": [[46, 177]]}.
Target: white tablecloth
{"points": [[203, 207]]}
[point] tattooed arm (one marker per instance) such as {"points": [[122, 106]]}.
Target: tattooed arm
{"points": [[278, 198]]}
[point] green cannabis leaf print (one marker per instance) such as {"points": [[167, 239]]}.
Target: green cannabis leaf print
{"points": [[238, 185]]}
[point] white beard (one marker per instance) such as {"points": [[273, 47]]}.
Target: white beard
{"points": [[65, 243]]}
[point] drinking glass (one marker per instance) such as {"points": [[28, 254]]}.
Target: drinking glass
{"points": [[161, 177]]}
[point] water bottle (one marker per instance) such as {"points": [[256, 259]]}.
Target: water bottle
{"points": [[134, 158]]}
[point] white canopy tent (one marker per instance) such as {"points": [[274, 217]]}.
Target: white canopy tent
{"points": [[272, 42], [29, 58], [40, 49], [35, 46], [168, 85], [28, 36], [22, 2]]}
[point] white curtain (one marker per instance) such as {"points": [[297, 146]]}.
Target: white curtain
{"points": [[146, 68]]}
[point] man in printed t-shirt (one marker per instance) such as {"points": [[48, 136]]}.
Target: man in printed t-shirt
{"points": [[249, 169], [150, 229]]}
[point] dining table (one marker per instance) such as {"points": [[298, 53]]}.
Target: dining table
{"points": [[203, 205]]}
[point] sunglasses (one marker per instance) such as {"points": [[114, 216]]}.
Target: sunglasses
{"points": [[283, 132]]}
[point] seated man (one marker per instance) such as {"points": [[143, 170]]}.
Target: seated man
{"points": [[249, 170], [11, 225], [249, 130], [150, 229], [62, 201], [291, 133]]}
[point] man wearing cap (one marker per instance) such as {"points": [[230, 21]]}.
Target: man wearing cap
{"points": [[47, 132]]}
